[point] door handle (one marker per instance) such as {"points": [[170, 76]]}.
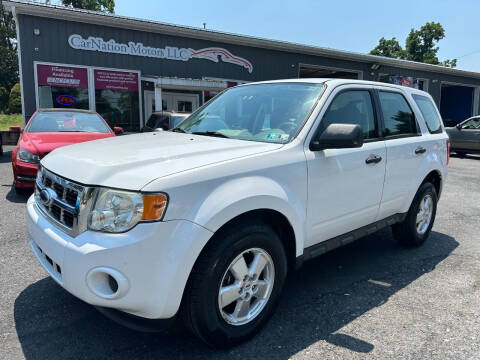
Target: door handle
{"points": [[373, 159], [420, 150]]}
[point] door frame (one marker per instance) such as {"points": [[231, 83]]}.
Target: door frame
{"points": [[175, 96], [145, 103]]}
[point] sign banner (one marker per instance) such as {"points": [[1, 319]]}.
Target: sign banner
{"points": [[407, 81], [169, 52], [62, 76], [115, 80]]}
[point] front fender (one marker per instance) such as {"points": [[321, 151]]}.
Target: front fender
{"points": [[238, 196]]}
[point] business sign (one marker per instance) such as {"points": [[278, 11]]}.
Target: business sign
{"points": [[407, 81], [168, 52], [66, 100], [115, 80], [62, 76]]}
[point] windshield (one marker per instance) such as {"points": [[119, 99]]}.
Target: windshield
{"points": [[59, 121], [259, 112]]}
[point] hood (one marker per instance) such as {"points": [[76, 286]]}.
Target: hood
{"points": [[132, 161], [45, 142]]}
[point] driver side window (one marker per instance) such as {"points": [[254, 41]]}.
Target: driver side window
{"points": [[471, 124], [352, 107]]}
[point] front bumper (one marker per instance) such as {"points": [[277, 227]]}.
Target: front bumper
{"points": [[24, 174], [151, 263]]}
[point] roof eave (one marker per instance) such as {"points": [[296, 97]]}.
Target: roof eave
{"points": [[91, 17]]}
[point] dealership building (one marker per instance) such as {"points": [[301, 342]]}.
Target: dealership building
{"points": [[126, 68]]}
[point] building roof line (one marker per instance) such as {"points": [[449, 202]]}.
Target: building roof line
{"points": [[119, 21]]}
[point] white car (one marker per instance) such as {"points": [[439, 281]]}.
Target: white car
{"points": [[203, 222]]}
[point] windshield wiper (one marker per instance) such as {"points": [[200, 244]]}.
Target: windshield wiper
{"points": [[211, 133], [178, 130]]}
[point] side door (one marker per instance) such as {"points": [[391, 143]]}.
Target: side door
{"points": [[405, 149], [345, 185], [469, 135]]}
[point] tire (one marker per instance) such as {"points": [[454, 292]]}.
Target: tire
{"points": [[409, 233], [461, 153], [201, 307]]}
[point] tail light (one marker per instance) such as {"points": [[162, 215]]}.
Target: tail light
{"points": [[448, 152]]}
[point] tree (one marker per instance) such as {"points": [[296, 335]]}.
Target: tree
{"points": [[106, 6], [3, 98], [15, 100], [389, 48], [420, 45], [8, 50]]}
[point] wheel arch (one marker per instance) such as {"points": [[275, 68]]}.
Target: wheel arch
{"points": [[273, 218], [434, 177]]}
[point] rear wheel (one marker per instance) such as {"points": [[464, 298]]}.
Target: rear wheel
{"points": [[415, 229], [235, 285], [461, 153]]}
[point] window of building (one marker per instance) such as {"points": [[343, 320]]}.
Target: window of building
{"points": [[62, 87], [422, 84], [429, 113], [352, 107], [398, 117], [116, 98]]}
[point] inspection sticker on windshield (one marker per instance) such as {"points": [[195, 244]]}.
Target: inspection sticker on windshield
{"points": [[277, 136]]}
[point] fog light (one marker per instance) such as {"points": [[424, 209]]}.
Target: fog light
{"points": [[107, 283]]}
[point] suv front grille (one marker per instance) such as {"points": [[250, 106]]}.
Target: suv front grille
{"points": [[62, 201]]}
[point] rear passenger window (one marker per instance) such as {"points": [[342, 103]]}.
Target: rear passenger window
{"points": [[429, 113], [352, 107], [397, 115]]}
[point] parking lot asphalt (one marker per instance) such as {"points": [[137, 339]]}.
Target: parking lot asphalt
{"points": [[369, 300]]}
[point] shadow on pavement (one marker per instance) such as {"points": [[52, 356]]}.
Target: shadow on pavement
{"points": [[318, 301], [15, 197]]}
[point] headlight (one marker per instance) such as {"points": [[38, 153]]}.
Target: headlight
{"points": [[26, 156], [118, 211]]}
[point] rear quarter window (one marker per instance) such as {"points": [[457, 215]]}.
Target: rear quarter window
{"points": [[429, 113]]}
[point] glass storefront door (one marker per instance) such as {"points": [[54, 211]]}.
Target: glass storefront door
{"points": [[180, 102]]}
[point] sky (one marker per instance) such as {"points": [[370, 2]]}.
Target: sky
{"points": [[339, 24]]}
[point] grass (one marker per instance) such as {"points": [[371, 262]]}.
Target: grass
{"points": [[10, 120]]}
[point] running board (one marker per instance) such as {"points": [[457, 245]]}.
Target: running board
{"points": [[338, 241]]}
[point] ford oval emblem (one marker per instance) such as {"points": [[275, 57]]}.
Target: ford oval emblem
{"points": [[66, 100], [47, 196]]}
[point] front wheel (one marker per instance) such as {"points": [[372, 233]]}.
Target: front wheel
{"points": [[235, 285], [415, 229]]}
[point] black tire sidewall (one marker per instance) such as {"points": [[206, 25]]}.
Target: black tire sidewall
{"points": [[426, 188], [216, 331]]}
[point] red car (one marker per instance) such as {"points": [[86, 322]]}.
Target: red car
{"points": [[49, 129]]}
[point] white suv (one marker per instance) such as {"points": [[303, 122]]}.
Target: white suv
{"points": [[203, 222]]}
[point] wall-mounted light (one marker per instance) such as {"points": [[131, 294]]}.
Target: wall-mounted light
{"points": [[434, 81], [36, 31], [375, 66]]}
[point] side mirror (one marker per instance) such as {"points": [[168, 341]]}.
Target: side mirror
{"points": [[459, 126], [338, 136], [118, 130], [15, 128]]}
